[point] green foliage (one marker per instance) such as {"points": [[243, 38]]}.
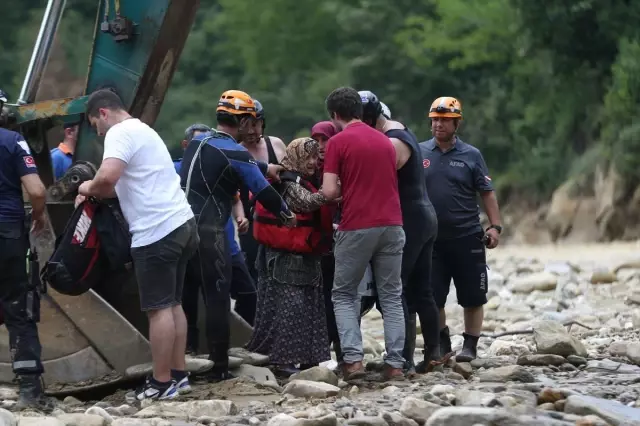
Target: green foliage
{"points": [[549, 89]]}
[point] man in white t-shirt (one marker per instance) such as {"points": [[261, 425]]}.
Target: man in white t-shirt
{"points": [[137, 168]]}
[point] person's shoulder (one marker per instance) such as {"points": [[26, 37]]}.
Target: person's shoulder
{"points": [[428, 144], [277, 142], [468, 148], [9, 137]]}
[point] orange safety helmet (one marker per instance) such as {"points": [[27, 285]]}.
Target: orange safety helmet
{"points": [[447, 107], [236, 102]]}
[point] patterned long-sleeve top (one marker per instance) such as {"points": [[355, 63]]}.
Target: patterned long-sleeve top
{"points": [[300, 199]]}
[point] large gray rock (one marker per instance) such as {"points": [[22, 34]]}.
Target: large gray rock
{"points": [[39, 421], [287, 420], [541, 359], [193, 365], [542, 281], [261, 375], [469, 416], [475, 398], [308, 389], [7, 418], [552, 338], [395, 419], [417, 409], [77, 419], [613, 412], [248, 357], [317, 374], [191, 410], [509, 373]]}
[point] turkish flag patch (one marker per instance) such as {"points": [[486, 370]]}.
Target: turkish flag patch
{"points": [[426, 163], [28, 161]]}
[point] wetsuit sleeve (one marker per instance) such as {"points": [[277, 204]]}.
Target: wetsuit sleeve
{"points": [[247, 168], [481, 178], [263, 167], [23, 160]]}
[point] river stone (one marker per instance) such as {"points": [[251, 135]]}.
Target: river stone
{"points": [[248, 357], [77, 419], [188, 410], [309, 389], [464, 369], [509, 373], [470, 416], [613, 412], [541, 359], [39, 421], [417, 409], [542, 281], [193, 365], [603, 276], [7, 418], [287, 420], [475, 398], [552, 338], [317, 374], [505, 347], [99, 411], [261, 375], [367, 421], [395, 419], [156, 421]]}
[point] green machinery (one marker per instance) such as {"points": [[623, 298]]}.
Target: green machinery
{"points": [[136, 47]]}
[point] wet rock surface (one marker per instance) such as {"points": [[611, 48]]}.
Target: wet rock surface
{"points": [[561, 346]]}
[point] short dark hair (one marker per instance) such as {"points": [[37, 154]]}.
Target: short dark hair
{"points": [[346, 103], [188, 133], [103, 98]]}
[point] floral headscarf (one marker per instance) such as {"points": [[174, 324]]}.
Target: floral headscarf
{"points": [[298, 153]]}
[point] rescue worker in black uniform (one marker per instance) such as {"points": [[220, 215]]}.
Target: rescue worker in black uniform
{"points": [[19, 297], [420, 227], [213, 168]]}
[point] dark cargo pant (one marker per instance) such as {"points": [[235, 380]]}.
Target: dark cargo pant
{"points": [[14, 287]]}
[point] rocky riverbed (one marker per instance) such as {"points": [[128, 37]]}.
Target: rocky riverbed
{"points": [[561, 347]]}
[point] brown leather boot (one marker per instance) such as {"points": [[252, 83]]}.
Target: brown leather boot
{"points": [[353, 371], [391, 373]]}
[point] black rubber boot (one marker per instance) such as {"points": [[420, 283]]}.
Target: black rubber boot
{"points": [[425, 366], [410, 344], [31, 395], [445, 342], [469, 351]]}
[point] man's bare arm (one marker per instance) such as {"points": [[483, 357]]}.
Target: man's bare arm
{"points": [[330, 186], [104, 183], [403, 152], [490, 202]]}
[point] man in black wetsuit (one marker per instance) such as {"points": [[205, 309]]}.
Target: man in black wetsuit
{"points": [[420, 227], [214, 166]]}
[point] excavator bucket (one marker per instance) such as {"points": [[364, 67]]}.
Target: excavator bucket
{"points": [[93, 338]]}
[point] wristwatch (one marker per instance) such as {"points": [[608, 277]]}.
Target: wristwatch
{"points": [[496, 227]]}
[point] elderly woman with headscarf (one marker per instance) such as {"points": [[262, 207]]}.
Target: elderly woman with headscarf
{"points": [[290, 325]]}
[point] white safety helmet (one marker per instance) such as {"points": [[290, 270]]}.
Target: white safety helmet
{"points": [[385, 110]]}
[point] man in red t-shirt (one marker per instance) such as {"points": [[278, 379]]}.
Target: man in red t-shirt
{"points": [[363, 160]]}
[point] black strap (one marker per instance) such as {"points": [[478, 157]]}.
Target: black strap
{"points": [[278, 222], [272, 158]]}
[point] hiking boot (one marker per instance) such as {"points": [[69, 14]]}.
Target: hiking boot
{"points": [[445, 342], [410, 344], [182, 381], [353, 371], [155, 390], [469, 348], [31, 395], [391, 373]]}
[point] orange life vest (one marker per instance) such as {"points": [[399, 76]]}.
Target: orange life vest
{"points": [[313, 233]]}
